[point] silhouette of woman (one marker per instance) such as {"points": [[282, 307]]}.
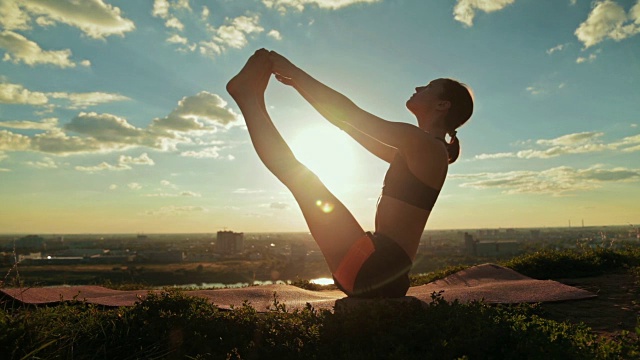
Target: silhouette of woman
{"points": [[363, 264]]}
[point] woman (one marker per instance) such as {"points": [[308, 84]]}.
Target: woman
{"points": [[363, 264]]}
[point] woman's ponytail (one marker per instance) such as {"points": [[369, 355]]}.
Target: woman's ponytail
{"points": [[461, 98], [453, 148]]}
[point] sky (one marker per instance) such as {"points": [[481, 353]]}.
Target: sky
{"points": [[114, 116]]}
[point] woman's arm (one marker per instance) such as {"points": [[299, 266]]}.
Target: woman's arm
{"points": [[381, 150], [342, 112]]}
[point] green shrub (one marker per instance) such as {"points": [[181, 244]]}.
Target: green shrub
{"points": [[552, 264], [175, 326], [421, 279]]}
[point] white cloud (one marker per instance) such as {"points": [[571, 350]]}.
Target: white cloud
{"points": [[180, 194], [204, 113], [204, 106], [275, 34], [134, 186], [534, 90], [634, 13], [608, 20], [571, 139], [235, 33], [208, 153], [103, 166], [578, 143], [168, 183], [177, 39], [283, 5], [17, 94], [161, 195], [176, 210], [589, 58], [502, 155], [205, 13], [278, 206], [247, 191], [84, 100], [106, 128], [124, 163], [182, 4], [44, 21], [174, 23], [46, 163], [12, 17], [160, 9], [555, 181], [143, 159], [545, 87], [628, 144], [93, 17], [167, 11], [19, 49], [190, 194], [559, 47], [209, 48], [113, 187], [57, 142], [465, 10], [14, 142]]}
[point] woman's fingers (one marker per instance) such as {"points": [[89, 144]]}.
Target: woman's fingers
{"points": [[283, 79], [279, 64]]}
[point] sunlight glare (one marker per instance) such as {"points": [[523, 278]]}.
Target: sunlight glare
{"points": [[322, 281], [329, 153]]}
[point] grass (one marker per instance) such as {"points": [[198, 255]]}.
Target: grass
{"points": [[173, 325]]}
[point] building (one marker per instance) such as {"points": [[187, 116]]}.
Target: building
{"points": [[30, 256], [155, 256], [229, 242], [475, 247], [30, 243], [497, 248], [535, 234]]}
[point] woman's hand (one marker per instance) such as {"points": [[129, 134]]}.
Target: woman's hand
{"points": [[282, 68]]}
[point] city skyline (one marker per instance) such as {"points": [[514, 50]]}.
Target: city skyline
{"points": [[114, 116]]}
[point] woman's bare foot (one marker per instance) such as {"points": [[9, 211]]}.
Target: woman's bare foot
{"points": [[252, 80]]}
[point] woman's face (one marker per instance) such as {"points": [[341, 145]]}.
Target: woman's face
{"points": [[425, 98]]}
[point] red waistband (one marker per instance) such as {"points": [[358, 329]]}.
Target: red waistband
{"points": [[352, 262]]}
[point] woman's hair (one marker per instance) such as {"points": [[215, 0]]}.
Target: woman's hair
{"points": [[461, 99]]}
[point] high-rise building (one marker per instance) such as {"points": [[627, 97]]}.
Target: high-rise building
{"points": [[229, 242]]}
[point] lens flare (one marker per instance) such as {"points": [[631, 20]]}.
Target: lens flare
{"points": [[325, 206]]}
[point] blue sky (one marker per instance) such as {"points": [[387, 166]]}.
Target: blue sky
{"points": [[114, 115]]}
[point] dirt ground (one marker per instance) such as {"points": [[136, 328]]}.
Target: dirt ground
{"points": [[616, 308]]}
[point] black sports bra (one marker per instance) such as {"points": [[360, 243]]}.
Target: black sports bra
{"points": [[401, 184]]}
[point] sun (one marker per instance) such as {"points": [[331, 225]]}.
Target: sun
{"points": [[329, 153]]}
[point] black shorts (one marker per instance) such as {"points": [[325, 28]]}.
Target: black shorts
{"points": [[384, 274]]}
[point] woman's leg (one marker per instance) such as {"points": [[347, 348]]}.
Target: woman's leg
{"points": [[332, 226]]}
